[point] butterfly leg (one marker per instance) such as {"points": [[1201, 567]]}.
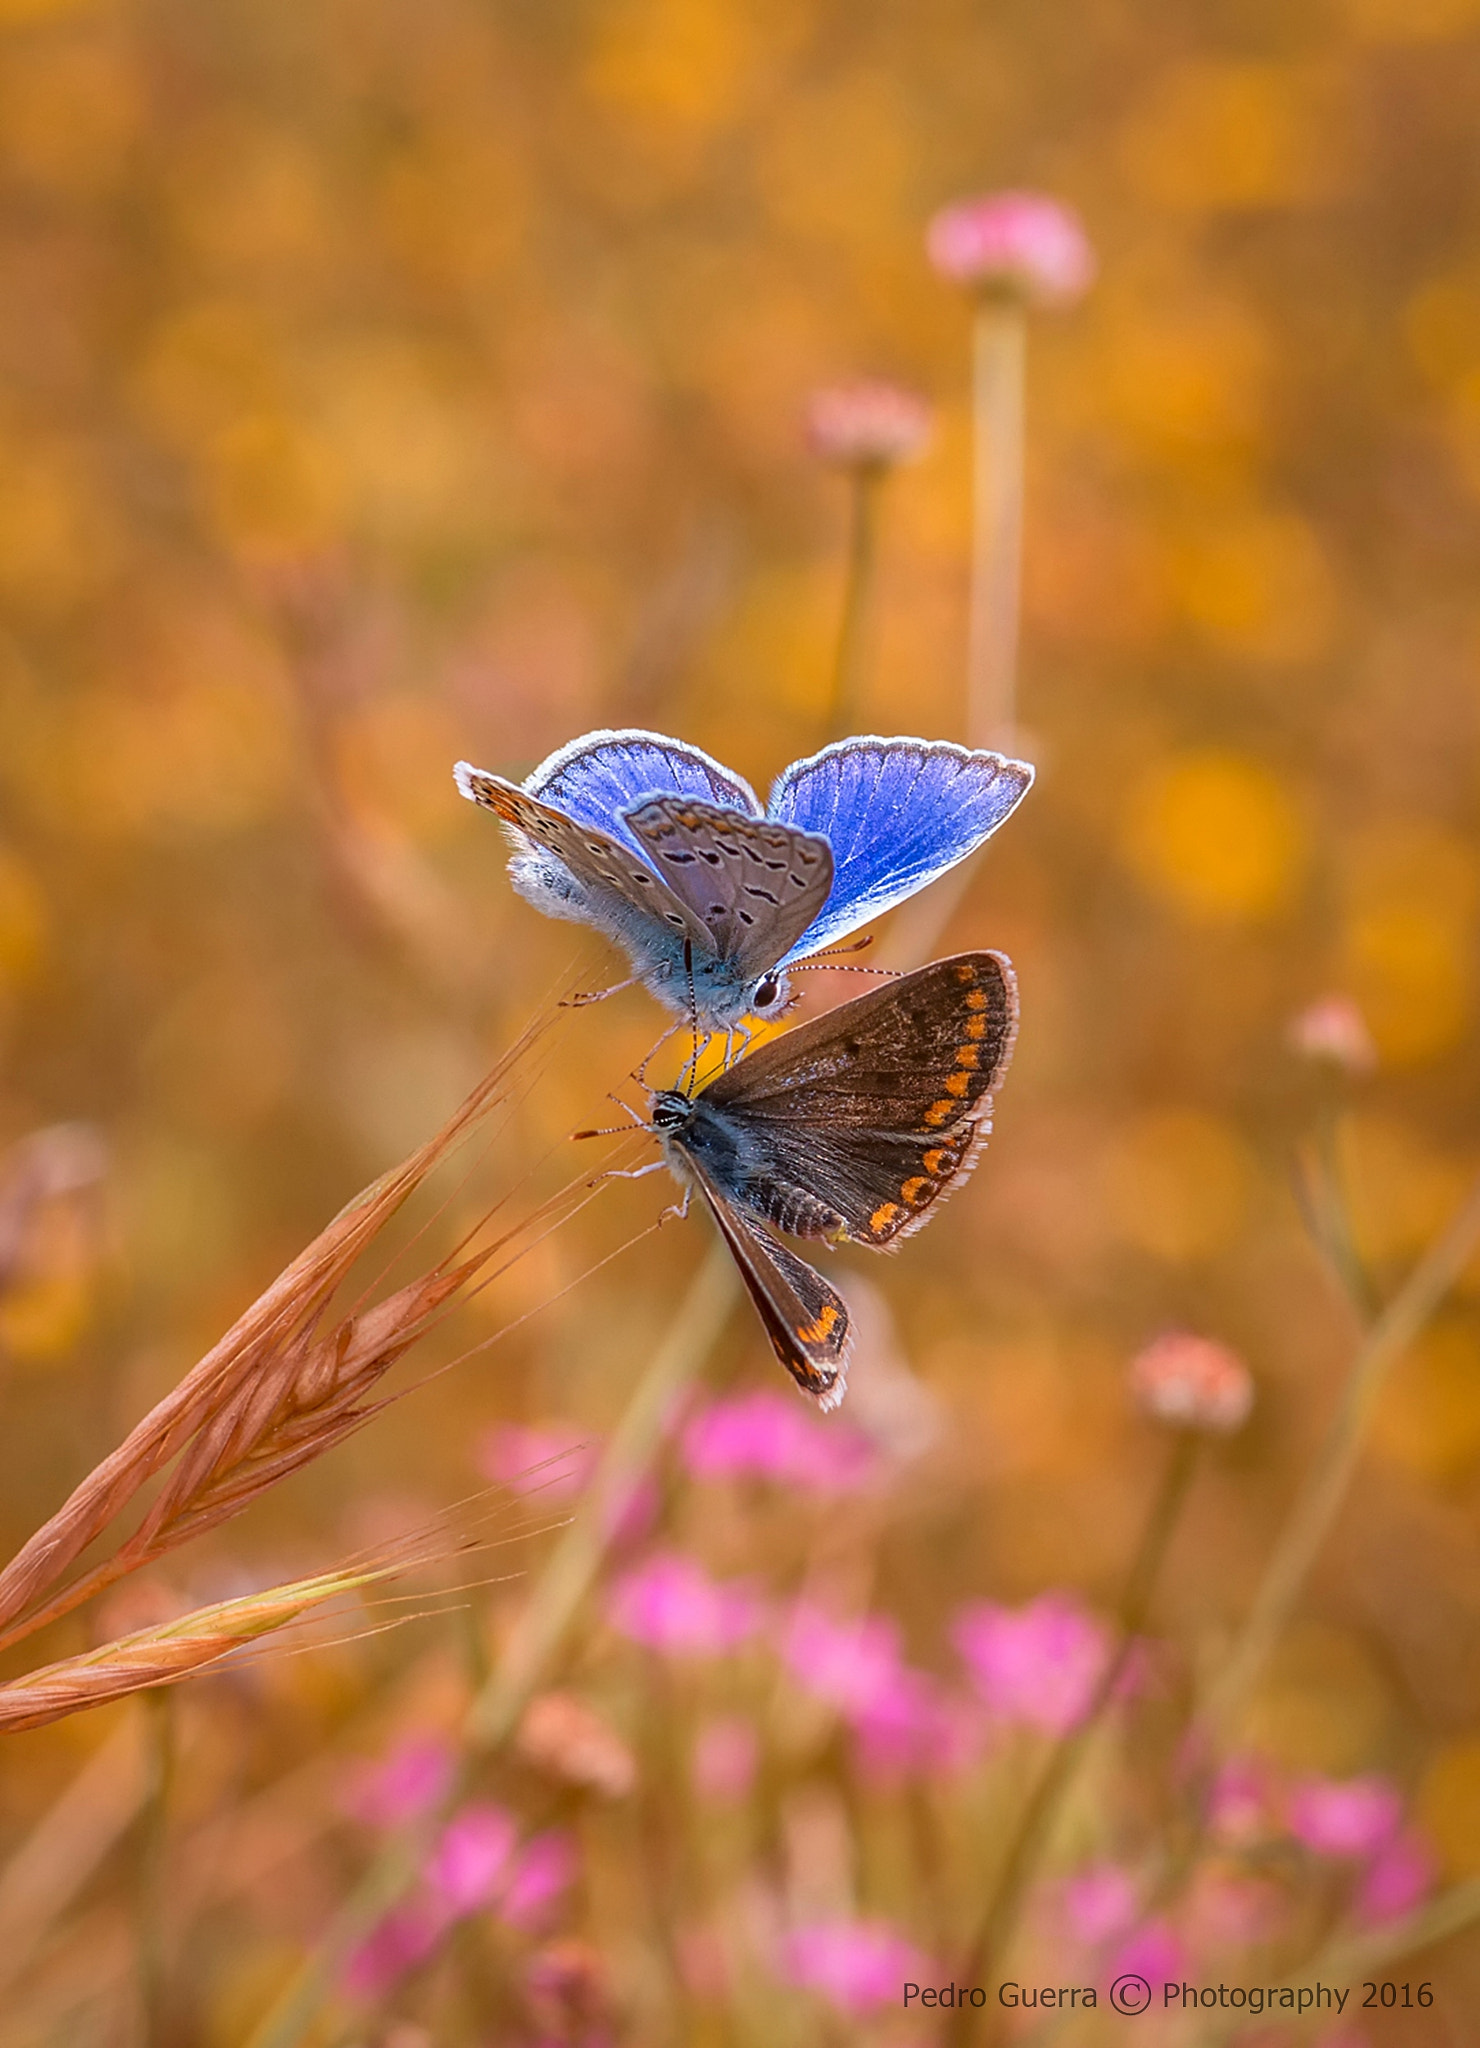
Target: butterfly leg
{"points": [[583, 997]]}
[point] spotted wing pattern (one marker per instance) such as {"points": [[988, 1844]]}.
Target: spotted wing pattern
{"points": [[754, 886], [606, 882], [858, 1122], [804, 1316]]}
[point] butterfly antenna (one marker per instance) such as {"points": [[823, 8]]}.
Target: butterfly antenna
{"points": [[836, 952], [692, 1068], [822, 963]]}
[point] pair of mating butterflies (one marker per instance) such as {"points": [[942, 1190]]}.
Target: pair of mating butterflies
{"points": [[855, 1124]]}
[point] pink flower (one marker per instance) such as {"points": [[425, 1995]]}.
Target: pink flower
{"points": [[1039, 1663], [868, 424], [467, 1866], [1020, 244], [913, 1725], [1153, 1952], [1193, 1382], [403, 1940], [1100, 1903], [410, 1781], [769, 1435], [1350, 1817], [555, 1462], [726, 1754], [546, 1867], [1241, 1802], [1399, 1877], [1334, 1032], [854, 1665], [671, 1604], [855, 1964]]}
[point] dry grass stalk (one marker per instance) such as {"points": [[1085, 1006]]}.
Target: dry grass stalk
{"points": [[281, 1387], [169, 1651]]}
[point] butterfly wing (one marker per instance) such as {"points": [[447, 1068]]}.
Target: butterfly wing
{"points": [[804, 1316], [858, 1122], [755, 886], [597, 778], [571, 868], [897, 814]]}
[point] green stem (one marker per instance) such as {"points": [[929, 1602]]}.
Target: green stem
{"points": [[864, 483], [1035, 1828], [538, 1636], [999, 354], [1320, 1498]]}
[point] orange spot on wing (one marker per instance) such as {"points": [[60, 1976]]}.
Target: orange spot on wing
{"points": [[883, 1216], [967, 1055], [977, 1000], [976, 1027], [816, 1333], [915, 1188], [958, 1084], [940, 1112], [935, 1159], [965, 973]]}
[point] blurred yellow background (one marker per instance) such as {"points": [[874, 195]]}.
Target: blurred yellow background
{"points": [[382, 385]]}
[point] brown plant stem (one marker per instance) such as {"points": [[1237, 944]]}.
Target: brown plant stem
{"points": [[865, 480], [1319, 1499], [999, 357], [1035, 1828]]}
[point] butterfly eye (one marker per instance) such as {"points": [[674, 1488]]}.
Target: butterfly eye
{"points": [[767, 989]]}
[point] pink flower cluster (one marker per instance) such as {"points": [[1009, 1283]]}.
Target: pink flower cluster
{"points": [[670, 1603], [1357, 1821], [868, 424], [902, 1719], [1193, 1382], [855, 1965], [1018, 244], [769, 1435], [476, 1864], [1037, 1664], [1333, 1032]]}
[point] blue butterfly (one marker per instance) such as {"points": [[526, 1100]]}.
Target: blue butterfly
{"points": [[671, 855]]}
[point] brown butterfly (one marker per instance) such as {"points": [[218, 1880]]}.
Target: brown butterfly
{"points": [[852, 1128]]}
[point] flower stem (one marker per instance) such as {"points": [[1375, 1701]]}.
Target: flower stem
{"points": [[1036, 1825], [999, 353], [864, 482], [567, 1578], [159, 1713], [1319, 1500]]}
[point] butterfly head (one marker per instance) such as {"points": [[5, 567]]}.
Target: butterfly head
{"points": [[672, 1109], [770, 995]]}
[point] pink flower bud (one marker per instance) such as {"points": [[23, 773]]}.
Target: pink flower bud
{"points": [[1344, 1817], [1016, 244], [1193, 1382], [562, 1735], [1334, 1032], [867, 425]]}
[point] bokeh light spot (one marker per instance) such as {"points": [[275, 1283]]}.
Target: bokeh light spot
{"points": [[1217, 835]]}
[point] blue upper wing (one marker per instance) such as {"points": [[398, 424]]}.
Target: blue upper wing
{"points": [[897, 813], [598, 777]]}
